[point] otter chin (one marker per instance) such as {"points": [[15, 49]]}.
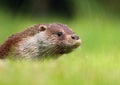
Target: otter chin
{"points": [[41, 40]]}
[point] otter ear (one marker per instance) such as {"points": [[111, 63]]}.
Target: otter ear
{"points": [[42, 27]]}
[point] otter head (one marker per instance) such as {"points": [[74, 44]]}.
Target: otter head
{"points": [[41, 40], [47, 40], [60, 38]]}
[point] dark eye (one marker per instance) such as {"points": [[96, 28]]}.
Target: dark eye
{"points": [[59, 34]]}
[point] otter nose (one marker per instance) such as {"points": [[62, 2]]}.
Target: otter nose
{"points": [[75, 37]]}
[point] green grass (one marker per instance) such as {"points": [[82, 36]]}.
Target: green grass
{"points": [[96, 62]]}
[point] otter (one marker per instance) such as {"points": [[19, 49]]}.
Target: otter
{"points": [[41, 40]]}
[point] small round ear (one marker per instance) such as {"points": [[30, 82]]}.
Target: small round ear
{"points": [[42, 27]]}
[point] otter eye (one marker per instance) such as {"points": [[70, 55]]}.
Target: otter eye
{"points": [[59, 34]]}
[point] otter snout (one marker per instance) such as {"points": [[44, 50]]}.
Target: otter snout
{"points": [[75, 37]]}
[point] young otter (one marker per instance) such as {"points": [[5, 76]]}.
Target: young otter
{"points": [[41, 40]]}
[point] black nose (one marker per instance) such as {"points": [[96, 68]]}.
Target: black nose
{"points": [[75, 37]]}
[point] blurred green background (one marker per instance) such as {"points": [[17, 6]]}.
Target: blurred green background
{"points": [[96, 62]]}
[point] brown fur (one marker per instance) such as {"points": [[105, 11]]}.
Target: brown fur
{"points": [[12, 41], [6, 47]]}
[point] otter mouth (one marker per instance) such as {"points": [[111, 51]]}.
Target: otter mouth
{"points": [[66, 48]]}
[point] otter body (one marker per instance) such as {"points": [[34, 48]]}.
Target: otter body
{"points": [[41, 40]]}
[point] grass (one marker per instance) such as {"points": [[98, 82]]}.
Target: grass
{"points": [[96, 62]]}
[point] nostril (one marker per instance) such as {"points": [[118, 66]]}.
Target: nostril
{"points": [[75, 37]]}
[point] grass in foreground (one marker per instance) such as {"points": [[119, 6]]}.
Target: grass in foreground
{"points": [[72, 70]]}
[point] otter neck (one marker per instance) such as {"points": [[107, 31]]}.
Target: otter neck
{"points": [[34, 46]]}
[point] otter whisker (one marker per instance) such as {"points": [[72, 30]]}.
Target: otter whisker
{"points": [[51, 51], [54, 51], [47, 52]]}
